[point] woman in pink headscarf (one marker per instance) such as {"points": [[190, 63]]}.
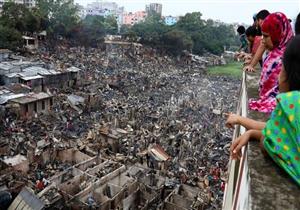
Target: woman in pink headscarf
{"points": [[277, 32]]}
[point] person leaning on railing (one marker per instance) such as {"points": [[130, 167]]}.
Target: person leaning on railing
{"points": [[277, 32], [258, 21], [280, 135]]}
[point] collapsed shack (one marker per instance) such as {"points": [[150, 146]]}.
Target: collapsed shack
{"points": [[186, 198], [127, 128], [29, 105]]}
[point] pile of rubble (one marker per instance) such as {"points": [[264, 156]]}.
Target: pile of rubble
{"points": [[135, 108]]}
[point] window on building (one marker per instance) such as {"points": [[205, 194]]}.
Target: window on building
{"points": [[35, 107], [26, 109], [43, 105]]}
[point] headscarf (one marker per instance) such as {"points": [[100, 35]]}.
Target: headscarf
{"points": [[280, 30], [282, 134]]}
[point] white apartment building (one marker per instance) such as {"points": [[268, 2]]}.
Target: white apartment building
{"points": [[154, 7], [28, 3], [105, 9]]}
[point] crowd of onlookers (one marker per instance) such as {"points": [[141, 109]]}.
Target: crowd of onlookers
{"points": [[271, 44]]}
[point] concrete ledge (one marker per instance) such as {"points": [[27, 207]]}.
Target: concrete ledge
{"points": [[270, 186]]}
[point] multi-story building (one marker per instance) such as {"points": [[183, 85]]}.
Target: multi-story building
{"points": [[106, 9], [133, 18], [81, 11], [170, 20], [154, 8], [28, 3]]}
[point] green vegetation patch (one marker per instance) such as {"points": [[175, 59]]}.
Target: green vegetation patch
{"points": [[232, 69]]}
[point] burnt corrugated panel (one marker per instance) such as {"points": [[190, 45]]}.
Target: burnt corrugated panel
{"points": [[26, 200]]}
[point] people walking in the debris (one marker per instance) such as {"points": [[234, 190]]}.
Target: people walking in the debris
{"points": [[244, 44], [280, 136], [260, 17], [277, 32]]}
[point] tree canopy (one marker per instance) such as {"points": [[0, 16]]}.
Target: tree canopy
{"points": [[191, 33], [60, 18]]}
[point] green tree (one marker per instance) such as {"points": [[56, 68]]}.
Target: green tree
{"points": [[151, 30], [13, 16], [10, 38], [111, 25], [60, 16], [176, 41], [191, 22], [91, 31], [32, 21]]}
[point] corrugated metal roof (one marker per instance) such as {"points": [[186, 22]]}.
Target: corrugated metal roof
{"points": [[73, 69], [28, 37], [5, 98], [32, 77], [6, 66], [159, 154], [31, 98], [5, 51], [26, 200]]}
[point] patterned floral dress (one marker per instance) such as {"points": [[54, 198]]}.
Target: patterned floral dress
{"points": [[280, 30], [282, 134]]}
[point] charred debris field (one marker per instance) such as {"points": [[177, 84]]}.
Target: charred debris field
{"points": [[157, 120]]}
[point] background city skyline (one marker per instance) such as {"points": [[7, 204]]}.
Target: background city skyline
{"points": [[227, 11]]}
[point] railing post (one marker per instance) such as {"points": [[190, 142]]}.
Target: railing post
{"points": [[237, 186]]}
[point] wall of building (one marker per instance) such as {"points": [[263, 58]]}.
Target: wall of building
{"points": [[41, 106], [130, 201], [97, 193], [181, 201], [89, 163], [171, 206], [22, 167], [4, 55], [169, 20], [107, 177], [112, 142], [35, 84], [72, 156], [133, 18], [9, 80], [72, 187], [154, 7], [106, 9], [63, 80], [60, 178]]}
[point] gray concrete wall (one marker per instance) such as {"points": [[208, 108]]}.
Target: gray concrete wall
{"points": [[181, 201], [72, 187], [72, 155], [171, 206], [88, 164], [270, 186], [59, 178], [31, 108], [129, 202]]}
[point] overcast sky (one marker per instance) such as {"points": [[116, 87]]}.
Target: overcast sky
{"points": [[225, 10]]}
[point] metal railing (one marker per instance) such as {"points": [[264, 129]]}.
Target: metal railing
{"points": [[236, 195]]}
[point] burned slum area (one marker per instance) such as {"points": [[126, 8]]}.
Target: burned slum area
{"points": [[121, 127]]}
